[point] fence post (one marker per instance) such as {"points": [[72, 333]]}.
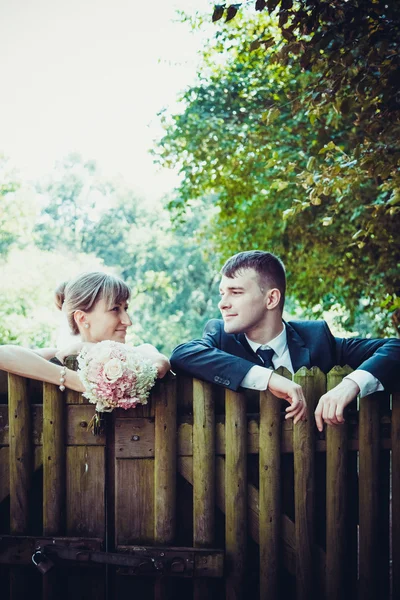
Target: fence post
{"points": [[396, 494], [20, 460], [20, 453], [336, 499], [313, 383], [235, 492], [203, 475], [369, 497], [269, 494], [53, 459], [164, 398]]}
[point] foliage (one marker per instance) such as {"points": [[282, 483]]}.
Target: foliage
{"points": [[289, 149], [171, 280], [17, 210], [29, 276], [69, 201], [88, 223]]}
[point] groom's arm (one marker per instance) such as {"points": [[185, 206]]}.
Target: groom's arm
{"points": [[375, 362], [204, 359], [378, 357]]}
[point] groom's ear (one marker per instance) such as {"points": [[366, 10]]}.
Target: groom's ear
{"points": [[273, 298]]}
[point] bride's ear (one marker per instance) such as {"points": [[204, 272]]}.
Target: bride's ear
{"points": [[79, 318]]}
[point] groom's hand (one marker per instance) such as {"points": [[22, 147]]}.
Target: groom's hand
{"points": [[293, 393], [331, 405]]}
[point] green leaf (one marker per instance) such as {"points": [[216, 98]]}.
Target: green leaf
{"points": [[330, 146], [311, 163], [270, 115]]}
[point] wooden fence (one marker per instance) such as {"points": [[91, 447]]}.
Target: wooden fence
{"points": [[212, 492]]}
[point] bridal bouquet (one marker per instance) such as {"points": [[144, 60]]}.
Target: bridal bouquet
{"points": [[115, 376]]}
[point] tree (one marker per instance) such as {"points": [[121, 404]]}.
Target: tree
{"points": [[291, 169], [29, 276], [18, 209], [172, 281], [75, 196]]}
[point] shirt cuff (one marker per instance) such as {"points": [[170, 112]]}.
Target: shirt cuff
{"points": [[367, 383], [257, 378]]}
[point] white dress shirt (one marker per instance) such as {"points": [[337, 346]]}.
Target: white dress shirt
{"points": [[258, 377]]}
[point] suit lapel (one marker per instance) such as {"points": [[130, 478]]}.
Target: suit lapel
{"points": [[299, 354], [241, 338]]}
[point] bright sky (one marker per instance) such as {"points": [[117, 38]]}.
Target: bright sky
{"points": [[90, 76]]}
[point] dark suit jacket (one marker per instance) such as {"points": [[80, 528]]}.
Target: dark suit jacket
{"points": [[225, 358]]}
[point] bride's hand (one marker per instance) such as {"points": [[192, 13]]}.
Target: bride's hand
{"points": [[163, 365], [70, 350], [159, 360]]}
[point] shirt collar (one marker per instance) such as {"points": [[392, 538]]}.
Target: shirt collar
{"points": [[278, 344]]}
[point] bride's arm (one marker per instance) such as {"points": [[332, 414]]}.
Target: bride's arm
{"points": [[46, 353], [159, 360], [27, 363]]}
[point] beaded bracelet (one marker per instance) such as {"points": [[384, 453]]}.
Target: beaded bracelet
{"points": [[63, 373]]}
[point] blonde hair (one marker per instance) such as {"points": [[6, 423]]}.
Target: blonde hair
{"points": [[83, 293]]}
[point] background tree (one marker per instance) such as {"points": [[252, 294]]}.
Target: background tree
{"points": [[81, 222], [293, 167], [18, 210], [74, 197]]}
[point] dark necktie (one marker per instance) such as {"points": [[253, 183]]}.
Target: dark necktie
{"points": [[266, 356]]}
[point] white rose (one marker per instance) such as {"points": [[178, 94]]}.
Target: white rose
{"points": [[113, 369], [101, 352]]}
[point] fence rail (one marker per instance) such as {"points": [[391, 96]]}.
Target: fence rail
{"points": [[298, 514]]}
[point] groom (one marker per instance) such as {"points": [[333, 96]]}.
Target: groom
{"points": [[252, 339]]}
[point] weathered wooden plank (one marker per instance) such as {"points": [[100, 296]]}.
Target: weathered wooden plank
{"points": [[37, 457], [269, 494], [134, 438], [203, 465], [185, 439], [85, 493], [20, 453], [314, 385], [164, 400], [336, 500], [369, 497], [384, 508], [3, 384], [185, 467], [4, 473], [54, 460], [396, 494], [134, 507], [36, 422], [203, 476], [77, 418], [235, 493], [185, 394], [72, 397], [185, 436], [4, 429], [88, 584]]}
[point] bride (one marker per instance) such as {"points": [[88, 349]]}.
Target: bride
{"points": [[96, 306]]}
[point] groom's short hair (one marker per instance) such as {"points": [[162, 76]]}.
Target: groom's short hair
{"points": [[269, 268]]}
